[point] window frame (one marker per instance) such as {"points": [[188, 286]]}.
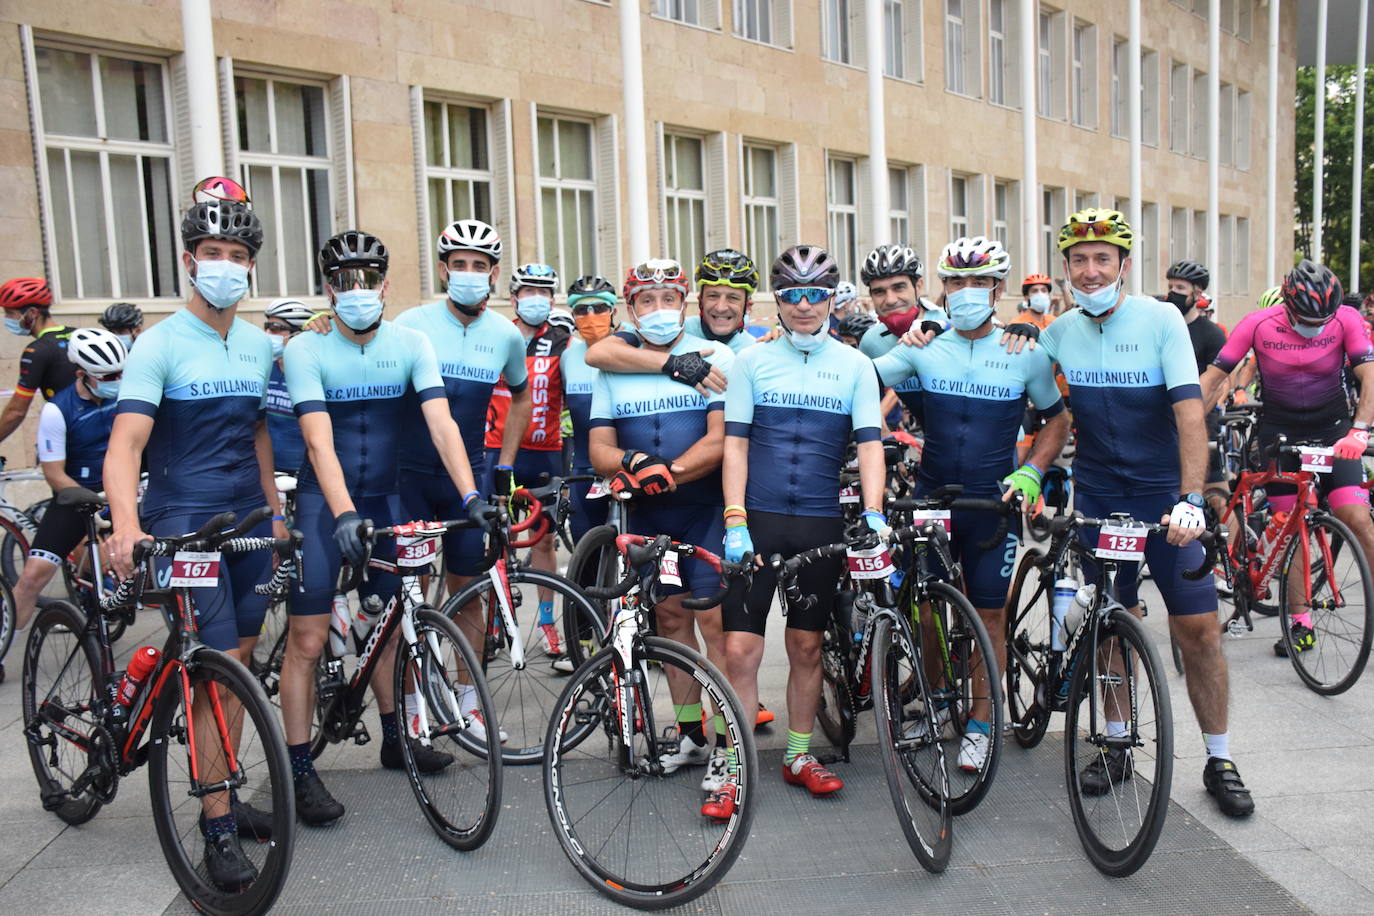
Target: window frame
{"points": [[836, 213], [674, 197], [752, 205], [911, 42], [559, 184], [777, 10], [1083, 103], [450, 174]]}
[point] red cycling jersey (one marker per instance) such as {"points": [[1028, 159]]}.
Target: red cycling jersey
{"points": [[543, 359]]}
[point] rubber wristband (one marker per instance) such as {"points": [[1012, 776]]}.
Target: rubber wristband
{"points": [[627, 459], [1038, 473], [469, 496], [279, 518], [738, 509]]}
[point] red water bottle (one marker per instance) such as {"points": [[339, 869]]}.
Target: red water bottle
{"points": [[140, 666]]}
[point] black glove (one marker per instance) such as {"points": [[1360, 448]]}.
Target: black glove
{"points": [[349, 539], [687, 368], [481, 512], [932, 327], [1022, 329], [654, 474], [894, 452], [503, 482]]}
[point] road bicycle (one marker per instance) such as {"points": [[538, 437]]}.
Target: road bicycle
{"points": [[199, 720], [633, 832], [18, 525]]}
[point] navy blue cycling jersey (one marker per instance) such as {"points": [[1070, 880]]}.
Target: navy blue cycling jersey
{"points": [[578, 379], [974, 397], [652, 413], [206, 395], [362, 388], [288, 445], [798, 411], [472, 359], [1125, 374], [76, 432]]}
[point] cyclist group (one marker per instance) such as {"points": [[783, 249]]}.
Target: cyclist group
{"points": [[716, 436]]}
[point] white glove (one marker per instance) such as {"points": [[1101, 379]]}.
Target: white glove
{"points": [[1187, 517]]}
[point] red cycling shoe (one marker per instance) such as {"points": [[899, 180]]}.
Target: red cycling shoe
{"points": [[720, 804], [807, 771]]}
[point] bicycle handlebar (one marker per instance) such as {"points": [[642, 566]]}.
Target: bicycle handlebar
{"points": [[639, 550], [949, 497], [1060, 526]]}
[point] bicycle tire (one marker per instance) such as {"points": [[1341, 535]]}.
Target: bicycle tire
{"points": [[60, 659], [14, 548], [176, 814], [585, 700], [911, 764], [1114, 846], [1028, 652], [595, 562], [434, 684], [1342, 633], [9, 618], [524, 698], [835, 712]]}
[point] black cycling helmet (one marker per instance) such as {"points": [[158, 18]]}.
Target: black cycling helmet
{"points": [[855, 325], [590, 286], [353, 248], [221, 219], [1312, 292], [805, 265], [1189, 272], [891, 261], [122, 316], [728, 267]]}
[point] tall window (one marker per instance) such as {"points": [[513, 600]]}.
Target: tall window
{"points": [[1002, 192], [835, 37], [1178, 107], [567, 195], [283, 140], [1201, 116], [997, 52], [1147, 250], [762, 239], [958, 206], [688, 11], [108, 154], [1178, 234], [1199, 238], [1149, 97], [1052, 216], [954, 47], [458, 177], [1120, 76], [763, 20], [1242, 130], [899, 206], [1227, 124], [1045, 69], [902, 39], [684, 193], [1084, 74], [842, 209], [1082, 200]]}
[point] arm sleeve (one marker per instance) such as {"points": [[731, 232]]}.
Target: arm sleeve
{"points": [[424, 369], [515, 373], [1240, 342], [739, 396], [1357, 345], [896, 366], [32, 364], [145, 378], [52, 434], [600, 414], [865, 410], [304, 382], [723, 358], [1177, 359], [1040, 383]]}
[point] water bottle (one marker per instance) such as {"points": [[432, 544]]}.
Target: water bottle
{"points": [[140, 666], [1064, 590], [340, 619], [859, 613], [1272, 532], [1082, 603], [369, 610]]}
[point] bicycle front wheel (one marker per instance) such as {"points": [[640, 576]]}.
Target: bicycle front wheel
{"points": [[1029, 610], [14, 547], [238, 744], [635, 834], [1118, 744], [909, 743], [9, 620], [1341, 609], [453, 715]]}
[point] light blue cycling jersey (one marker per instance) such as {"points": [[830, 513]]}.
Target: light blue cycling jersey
{"points": [[578, 379], [472, 359], [692, 325], [362, 388], [1125, 374], [206, 395], [654, 414], [974, 398], [798, 410], [878, 340]]}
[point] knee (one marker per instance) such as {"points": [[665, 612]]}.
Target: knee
{"points": [[804, 652], [1197, 633], [306, 642]]}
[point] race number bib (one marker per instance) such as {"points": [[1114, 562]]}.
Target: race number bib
{"points": [[668, 572], [873, 563], [1120, 543], [412, 552], [195, 569], [849, 495], [1317, 460], [939, 517]]}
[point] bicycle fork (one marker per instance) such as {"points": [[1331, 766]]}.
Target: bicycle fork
{"points": [[500, 586]]}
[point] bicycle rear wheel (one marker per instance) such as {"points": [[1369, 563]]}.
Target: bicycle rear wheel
{"points": [[1118, 745], [14, 547], [61, 694], [1341, 610], [9, 620], [461, 801], [634, 834], [1029, 609], [836, 710], [908, 743], [594, 563], [238, 742]]}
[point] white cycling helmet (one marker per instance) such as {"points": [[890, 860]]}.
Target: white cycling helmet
{"points": [[290, 311], [96, 350], [470, 235], [974, 257], [562, 318], [539, 276], [845, 293]]}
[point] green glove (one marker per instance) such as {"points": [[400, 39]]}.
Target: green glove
{"points": [[1026, 480]]}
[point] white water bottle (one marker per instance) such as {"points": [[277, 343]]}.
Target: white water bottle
{"points": [[340, 618], [369, 609], [1064, 590], [1082, 603]]}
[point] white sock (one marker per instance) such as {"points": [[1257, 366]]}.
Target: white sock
{"points": [[1218, 745], [467, 698], [1116, 729]]}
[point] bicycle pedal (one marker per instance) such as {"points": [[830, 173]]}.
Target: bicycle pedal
{"points": [[360, 735]]}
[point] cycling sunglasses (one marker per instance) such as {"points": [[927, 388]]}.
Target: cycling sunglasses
{"points": [[278, 328], [217, 188], [347, 278], [813, 294], [594, 307], [1099, 227], [111, 377], [657, 270]]}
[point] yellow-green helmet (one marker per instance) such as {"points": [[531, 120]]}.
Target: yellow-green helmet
{"points": [[1096, 224], [1271, 297]]}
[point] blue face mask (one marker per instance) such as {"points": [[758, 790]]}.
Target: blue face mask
{"points": [[221, 283], [969, 307], [359, 309], [104, 390], [14, 326], [127, 340], [1308, 330], [278, 345], [468, 287], [662, 327], [533, 310], [1099, 301]]}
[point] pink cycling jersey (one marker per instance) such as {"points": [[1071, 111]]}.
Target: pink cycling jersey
{"points": [[1303, 378]]}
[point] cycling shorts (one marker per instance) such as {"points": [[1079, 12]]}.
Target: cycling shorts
{"points": [[530, 467], [427, 497], [787, 535], [702, 526], [320, 555], [987, 573], [1182, 597], [229, 610], [1340, 487], [58, 534], [587, 513]]}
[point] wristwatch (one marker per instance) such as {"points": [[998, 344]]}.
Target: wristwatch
{"points": [[1194, 499]]}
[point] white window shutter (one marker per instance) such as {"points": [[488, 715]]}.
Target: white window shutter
{"points": [[743, 238], [662, 196], [422, 216], [717, 194], [39, 157], [917, 191], [185, 178], [979, 220], [608, 197], [782, 24], [502, 179], [341, 111], [540, 253], [229, 118], [789, 197], [865, 177]]}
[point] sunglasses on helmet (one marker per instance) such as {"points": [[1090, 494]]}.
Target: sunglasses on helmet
{"points": [[1096, 228], [813, 294], [658, 270]]}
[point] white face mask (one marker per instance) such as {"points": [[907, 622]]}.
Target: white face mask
{"points": [[1039, 302]]}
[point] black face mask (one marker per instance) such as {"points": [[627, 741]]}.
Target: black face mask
{"points": [[1180, 301]]}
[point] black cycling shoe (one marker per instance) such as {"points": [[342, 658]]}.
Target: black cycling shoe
{"points": [[427, 759], [1106, 770], [314, 805], [229, 868], [1223, 782], [1304, 638], [254, 824]]}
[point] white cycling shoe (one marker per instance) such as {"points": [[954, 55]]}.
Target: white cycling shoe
{"points": [[688, 754], [973, 751]]}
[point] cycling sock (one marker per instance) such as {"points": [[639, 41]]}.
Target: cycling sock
{"points": [[797, 745], [1305, 618], [975, 725], [216, 827], [731, 762], [689, 722], [1116, 729], [391, 733], [718, 724], [467, 697], [301, 764], [412, 710], [545, 613], [1218, 745]]}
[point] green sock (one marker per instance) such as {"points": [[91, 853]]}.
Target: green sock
{"points": [[731, 762], [689, 722], [797, 745]]}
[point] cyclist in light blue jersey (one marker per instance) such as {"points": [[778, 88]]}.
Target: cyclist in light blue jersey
{"points": [[282, 320], [895, 278], [347, 387], [592, 301]]}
